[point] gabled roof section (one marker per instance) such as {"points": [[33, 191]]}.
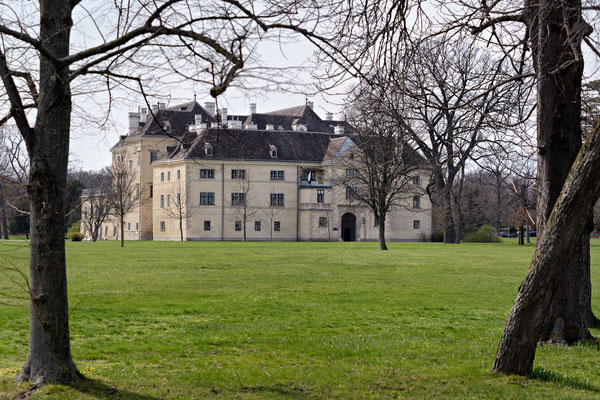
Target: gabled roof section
{"points": [[177, 117], [242, 144], [286, 118]]}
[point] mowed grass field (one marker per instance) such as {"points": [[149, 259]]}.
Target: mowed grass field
{"points": [[158, 320]]}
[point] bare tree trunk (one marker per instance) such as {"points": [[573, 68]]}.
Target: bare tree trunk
{"points": [[49, 355], [449, 228], [181, 226], [521, 235], [382, 244], [553, 259], [122, 221], [3, 214]]}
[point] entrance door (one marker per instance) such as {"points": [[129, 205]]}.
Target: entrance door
{"points": [[348, 227]]}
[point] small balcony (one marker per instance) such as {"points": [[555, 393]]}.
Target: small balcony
{"points": [[315, 184]]}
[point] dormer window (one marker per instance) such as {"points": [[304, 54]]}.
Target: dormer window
{"points": [[167, 127], [208, 149], [273, 151]]}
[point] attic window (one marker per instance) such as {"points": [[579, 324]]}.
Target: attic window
{"points": [[183, 108], [168, 127], [273, 151], [208, 149]]}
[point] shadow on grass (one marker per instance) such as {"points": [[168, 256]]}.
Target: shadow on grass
{"points": [[102, 391], [546, 375]]}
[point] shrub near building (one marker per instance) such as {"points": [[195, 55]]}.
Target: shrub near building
{"points": [[485, 234]]}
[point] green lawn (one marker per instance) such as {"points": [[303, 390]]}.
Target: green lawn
{"points": [[160, 320]]}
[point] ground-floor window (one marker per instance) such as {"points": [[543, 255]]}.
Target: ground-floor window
{"points": [[416, 224], [322, 221], [257, 225], [276, 226], [238, 225], [207, 225], [163, 226]]}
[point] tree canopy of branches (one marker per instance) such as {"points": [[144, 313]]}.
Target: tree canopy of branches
{"points": [[49, 53], [381, 171]]}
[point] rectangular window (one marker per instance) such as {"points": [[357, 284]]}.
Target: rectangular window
{"points": [[351, 192], [238, 174], [238, 199], [168, 175], [162, 176], [320, 195], [238, 225], [276, 226], [416, 180], [322, 221], [277, 175], [207, 225], [207, 174], [416, 224], [106, 231], [168, 200], [178, 174], [351, 173], [207, 198], [163, 226], [416, 202], [137, 226], [137, 189], [277, 199], [257, 225], [151, 191], [139, 159], [153, 156], [129, 226], [178, 198], [162, 200], [114, 230]]}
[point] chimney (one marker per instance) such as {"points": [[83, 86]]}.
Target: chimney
{"points": [[270, 127], [134, 121], [338, 129], [162, 106], [310, 104], [210, 107], [328, 116], [224, 116], [197, 119], [251, 126], [235, 124], [252, 108], [143, 115], [154, 108]]}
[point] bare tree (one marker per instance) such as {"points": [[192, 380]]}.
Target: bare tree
{"points": [[96, 199], [379, 172], [123, 192], [445, 99], [271, 213], [178, 208], [242, 202]]}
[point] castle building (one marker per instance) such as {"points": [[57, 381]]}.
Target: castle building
{"points": [[261, 176]]}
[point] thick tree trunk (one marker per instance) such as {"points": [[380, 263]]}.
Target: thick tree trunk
{"points": [[553, 256], [49, 355], [449, 228], [382, 244], [559, 139], [553, 299]]}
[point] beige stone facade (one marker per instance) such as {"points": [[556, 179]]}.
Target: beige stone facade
{"points": [[281, 203]]}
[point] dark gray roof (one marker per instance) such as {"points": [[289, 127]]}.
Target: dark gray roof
{"points": [[179, 117], [285, 119]]}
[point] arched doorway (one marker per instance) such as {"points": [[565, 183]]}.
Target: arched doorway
{"points": [[348, 227]]}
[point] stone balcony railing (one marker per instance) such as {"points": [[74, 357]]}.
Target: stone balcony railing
{"points": [[316, 206], [315, 184]]}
